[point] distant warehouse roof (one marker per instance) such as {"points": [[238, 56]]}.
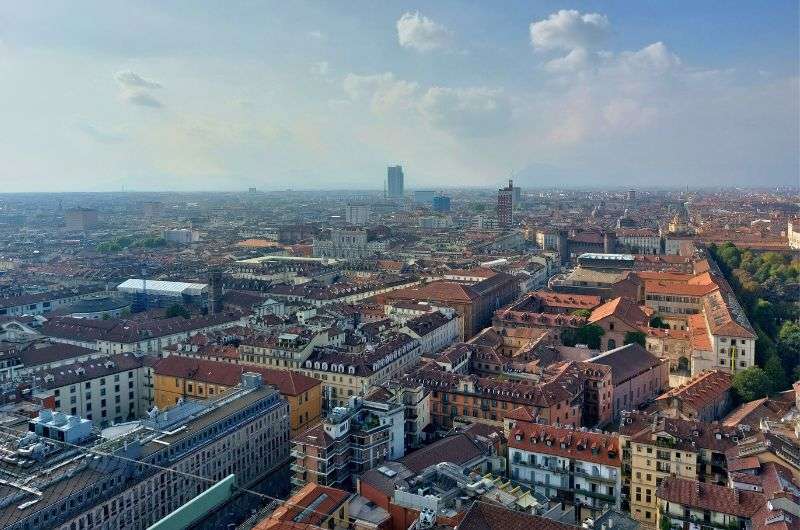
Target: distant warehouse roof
{"points": [[160, 288]]}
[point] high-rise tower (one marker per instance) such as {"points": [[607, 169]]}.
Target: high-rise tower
{"points": [[505, 206], [394, 176]]}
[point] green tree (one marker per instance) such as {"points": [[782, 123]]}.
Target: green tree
{"points": [[590, 335], [658, 322], [635, 337], [775, 372], [751, 383], [177, 310], [664, 523], [585, 313]]}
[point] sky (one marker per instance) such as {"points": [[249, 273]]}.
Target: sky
{"points": [[196, 95]]}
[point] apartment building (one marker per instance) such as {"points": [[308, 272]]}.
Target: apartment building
{"points": [[655, 448], [476, 303], [180, 378], [349, 441], [141, 336], [345, 374], [637, 376], [574, 466], [43, 303], [689, 502], [106, 390], [705, 397], [468, 398], [284, 351], [639, 240], [434, 331], [244, 432]]}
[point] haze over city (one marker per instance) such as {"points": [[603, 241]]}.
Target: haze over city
{"points": [[380, 266], [208, 96]]}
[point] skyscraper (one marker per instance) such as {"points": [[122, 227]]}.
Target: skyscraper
{"points": [[505, 206], [394, 175]]}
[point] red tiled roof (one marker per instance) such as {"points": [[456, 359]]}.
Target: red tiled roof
{"points": [[702, 390], [706, 496], [568, 443], [486, 516], [294, 509], [623, 308], [287, 382]]}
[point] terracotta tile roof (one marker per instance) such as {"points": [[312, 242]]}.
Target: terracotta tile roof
{"points": [[698, 332], [458, 448], [226, 374], [677, 288], [701, 390], [477, 272], [321, 501], [712, 497], [566, 300], [752, 412], [688, 435], [725, 316], [485, 516], [623, 308], [436, 291], [592, 447]]}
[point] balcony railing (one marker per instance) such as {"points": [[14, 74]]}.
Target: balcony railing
{"points": [[551, 468], [593, 476], [597, 495]]}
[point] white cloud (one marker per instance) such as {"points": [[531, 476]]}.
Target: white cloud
{"points": [[569, 29], [140, 98], [576, 60], [134, 89], [320, 68], [467, 112], [654, 58], [384, 92], [422, 34], [130, 79], [316, 35]]}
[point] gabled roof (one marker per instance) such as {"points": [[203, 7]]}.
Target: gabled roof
{"points": [[627, 362], [486, 516], [624, 309], [712, 497], [287, 382], [702, 390]]}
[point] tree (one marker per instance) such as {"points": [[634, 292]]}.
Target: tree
{"points": [[751, 383], [585, 313], [636, 337], [177, 310], [590, 335], [658, 322], [774, 370], [664, 523]]}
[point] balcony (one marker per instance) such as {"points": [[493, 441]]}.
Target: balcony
{"points": [[296, 454], [699, 522], [551, 468], [597, 495], [595, 477], [297, 481], [297, 468]]}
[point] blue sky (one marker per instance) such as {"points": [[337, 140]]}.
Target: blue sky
{"points": [[226, 95]]}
